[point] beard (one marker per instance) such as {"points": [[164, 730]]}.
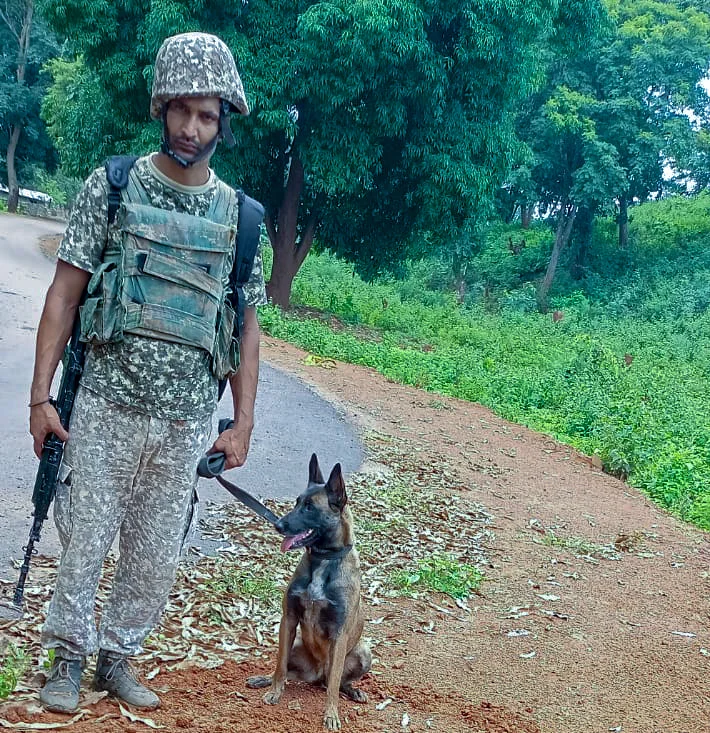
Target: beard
{"points": [[189, 148]]}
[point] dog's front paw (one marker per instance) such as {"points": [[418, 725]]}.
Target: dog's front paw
{"points": [[358, 695], [254, 683], [273, 696], [331, 720]]}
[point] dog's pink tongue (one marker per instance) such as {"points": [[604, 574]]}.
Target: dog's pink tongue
{"points": [[288, 542]]}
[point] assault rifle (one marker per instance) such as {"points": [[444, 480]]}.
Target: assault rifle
{"points": [[52, 452]]}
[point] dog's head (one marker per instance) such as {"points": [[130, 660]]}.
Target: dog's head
{"points": [[318, 519]]}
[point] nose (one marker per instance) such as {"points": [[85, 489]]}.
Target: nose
{"points": [[189, 126]]}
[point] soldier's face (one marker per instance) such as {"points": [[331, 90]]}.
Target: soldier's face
{"points": [[193, 123]]}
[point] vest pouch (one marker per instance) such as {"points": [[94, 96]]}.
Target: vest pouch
{"points": [[101, 314], [173, 268], [225, 356]]}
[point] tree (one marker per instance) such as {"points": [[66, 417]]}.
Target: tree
{"points": [[382, 128], [611, 120], [575, 169], [78, 117], [640, 76], [26, 45], [647, 79]]}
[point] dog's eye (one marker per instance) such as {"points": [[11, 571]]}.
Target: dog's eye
{"points": [[308, 504]]}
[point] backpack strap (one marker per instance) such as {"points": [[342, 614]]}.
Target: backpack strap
{"points": [[251, 214], [117, 169]]}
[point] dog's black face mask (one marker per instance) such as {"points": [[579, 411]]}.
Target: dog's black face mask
{"points": [[315, 520]]}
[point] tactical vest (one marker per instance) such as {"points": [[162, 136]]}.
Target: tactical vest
{"points": [[165, 278]]}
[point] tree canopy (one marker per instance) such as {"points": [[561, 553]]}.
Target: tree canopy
{"points": [[25, 43], [615, 119], [381, 128]]}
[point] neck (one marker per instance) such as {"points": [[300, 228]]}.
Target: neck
{"points": [[195, 175]]}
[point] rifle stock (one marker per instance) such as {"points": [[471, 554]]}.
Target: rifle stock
{"points": [[53, 451]]}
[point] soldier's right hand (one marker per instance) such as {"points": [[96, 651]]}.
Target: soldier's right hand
{"points": [[43, 421]]}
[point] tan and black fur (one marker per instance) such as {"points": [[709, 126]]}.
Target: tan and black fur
{"points": [[322, 621]]}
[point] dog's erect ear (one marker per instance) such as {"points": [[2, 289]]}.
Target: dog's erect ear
{"points": [[314, 474], [336, 488]]}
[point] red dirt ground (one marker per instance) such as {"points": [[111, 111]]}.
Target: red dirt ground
{"points": [[559, 641]]}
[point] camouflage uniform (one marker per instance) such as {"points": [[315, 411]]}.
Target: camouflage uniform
{"points": [[140, 423]]}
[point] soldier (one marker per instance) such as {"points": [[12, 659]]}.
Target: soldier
{"points": [[160, 330]]}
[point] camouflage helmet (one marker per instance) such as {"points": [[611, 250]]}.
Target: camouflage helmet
{"points": [[196, 65]]}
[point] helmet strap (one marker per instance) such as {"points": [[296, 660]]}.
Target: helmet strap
{"points": [[225, 130], [206, 152]]}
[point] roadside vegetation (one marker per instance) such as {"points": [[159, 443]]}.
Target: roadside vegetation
{"points": [[13, 664], [618, 367]]}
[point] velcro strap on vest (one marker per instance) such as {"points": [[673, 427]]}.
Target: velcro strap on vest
{"points": [[178, 271]]}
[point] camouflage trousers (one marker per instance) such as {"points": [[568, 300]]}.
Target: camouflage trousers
{"points": [[130, 474]]}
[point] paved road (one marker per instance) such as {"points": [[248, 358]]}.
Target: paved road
{"points": [[291, 420]]}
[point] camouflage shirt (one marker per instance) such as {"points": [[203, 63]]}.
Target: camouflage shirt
{"points": [[163, 379]]}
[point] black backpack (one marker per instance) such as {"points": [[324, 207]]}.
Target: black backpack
{"points": [[251, 214]]}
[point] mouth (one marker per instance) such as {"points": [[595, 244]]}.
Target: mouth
{"points": [[295, 541], [186, 147]]}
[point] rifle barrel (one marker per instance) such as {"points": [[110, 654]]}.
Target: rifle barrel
{"points": [[52, 452]]}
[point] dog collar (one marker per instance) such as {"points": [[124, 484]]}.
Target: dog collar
{"points": [[330, 554]]}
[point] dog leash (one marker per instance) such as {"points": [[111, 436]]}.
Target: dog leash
{"points": [[248, 500], [212, 465]]}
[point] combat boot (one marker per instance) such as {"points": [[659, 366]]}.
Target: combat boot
{"points": [[115, 675], [60, 693]]}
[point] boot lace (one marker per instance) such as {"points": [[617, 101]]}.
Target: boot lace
{"points": [[62, 670], [118, 665]]}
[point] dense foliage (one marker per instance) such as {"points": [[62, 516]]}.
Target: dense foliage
{"points": [[382, 128], [25, 44], [613, 124]]}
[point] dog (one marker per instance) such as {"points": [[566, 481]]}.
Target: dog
{"points": [[322, 618]]}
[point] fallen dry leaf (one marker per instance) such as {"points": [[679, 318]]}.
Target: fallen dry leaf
{"points": [[137, 718], [41, 726]]}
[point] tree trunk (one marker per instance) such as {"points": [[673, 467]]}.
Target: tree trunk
{"points": [[460, 288], [584, 225], [13, 188], [623, 223], [526, 215], [568, 212], [22, 34], [459, 266], [289, 250]]}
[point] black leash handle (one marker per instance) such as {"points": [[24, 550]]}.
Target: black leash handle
{"points": [[212, 465]]}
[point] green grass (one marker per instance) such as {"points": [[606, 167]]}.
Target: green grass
{"points": [[13, 665], [238, 581], [579, 546], [440, 573]]}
